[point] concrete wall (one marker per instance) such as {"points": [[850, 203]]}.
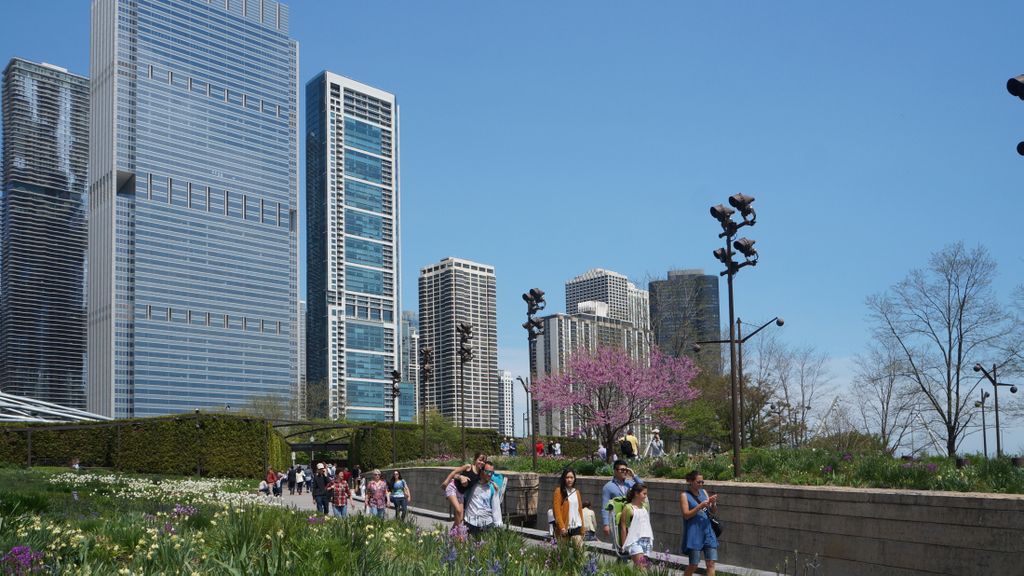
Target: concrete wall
{"points": [[854, 531]]}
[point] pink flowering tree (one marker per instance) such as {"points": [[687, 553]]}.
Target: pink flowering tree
{"points": [[606, 392]]}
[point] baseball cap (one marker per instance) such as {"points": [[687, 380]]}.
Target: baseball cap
{"points": [[320, 466]]}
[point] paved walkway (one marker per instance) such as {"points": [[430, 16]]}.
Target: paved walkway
{"points": [[429, 519]]}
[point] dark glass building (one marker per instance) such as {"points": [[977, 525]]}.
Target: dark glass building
{"points": [[684, 310], [43, 233], [193, 187]]}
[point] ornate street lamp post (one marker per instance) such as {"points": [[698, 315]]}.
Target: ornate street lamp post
{"points": [[534, 327]]}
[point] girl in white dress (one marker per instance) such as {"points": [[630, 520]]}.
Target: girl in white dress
{"points": [[635, 530]]}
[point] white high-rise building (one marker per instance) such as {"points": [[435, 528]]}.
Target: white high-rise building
{"points": [[506, 417], [352, 264], [451, 292], [625, 301]]}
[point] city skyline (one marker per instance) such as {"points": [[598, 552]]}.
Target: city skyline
{"points": [[860, 167]]}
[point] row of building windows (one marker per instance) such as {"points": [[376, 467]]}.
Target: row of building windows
{"points": [[223, 201], [209, 319], [200, 87]]}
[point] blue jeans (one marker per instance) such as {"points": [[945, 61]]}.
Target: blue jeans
{"points": [[378, 512], [401, 507], [339, 511], [323, 504]]}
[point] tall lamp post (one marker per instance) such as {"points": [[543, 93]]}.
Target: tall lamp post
{"points": [[534, 327], [465, 355], [995, 385], [739, 349], [426, 371], [984, 430], [396, 379], [724, 255], [778, 410], [528, 417]]}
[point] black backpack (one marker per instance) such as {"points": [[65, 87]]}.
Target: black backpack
{"points": [[627, 448]]}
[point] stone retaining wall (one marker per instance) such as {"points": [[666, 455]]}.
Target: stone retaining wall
{"points": [[854, 531]]}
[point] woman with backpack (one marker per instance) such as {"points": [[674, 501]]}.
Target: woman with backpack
{"points": [[635, 531], [698, 537]]}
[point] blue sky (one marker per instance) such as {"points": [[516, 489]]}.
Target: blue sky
{"points": [[547, 138]]}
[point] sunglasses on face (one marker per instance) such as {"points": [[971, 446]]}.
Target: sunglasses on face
{"points": [[699, 482], [621, 469]]}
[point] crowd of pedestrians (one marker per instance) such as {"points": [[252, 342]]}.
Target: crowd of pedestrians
{"points": [[475, 491]]}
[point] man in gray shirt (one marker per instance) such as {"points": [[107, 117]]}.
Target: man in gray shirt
{"points": [[483, 502]]}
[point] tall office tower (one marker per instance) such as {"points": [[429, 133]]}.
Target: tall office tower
{"points": [[193, 172], [450, 292], [300, 396], [506, 416], [410, 354], [43, 233], [625, 301], [685, 309], [568, 334], [352, 254]]}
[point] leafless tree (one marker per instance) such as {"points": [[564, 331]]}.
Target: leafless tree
{"points": [[884, 397], [803, 381], [945, 318]]}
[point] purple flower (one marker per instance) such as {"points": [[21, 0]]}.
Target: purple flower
{"points": [[932, 467], [21, 560], [826, 469], [313, 520], [168, 528], [908, 466], [181, 510], [847, 457]]}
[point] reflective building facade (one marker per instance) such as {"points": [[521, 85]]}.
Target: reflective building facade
{"points": [[43, 233], [684, 310], [193, 200], [352, 259]]}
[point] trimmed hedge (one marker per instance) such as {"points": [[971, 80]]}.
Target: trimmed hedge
{"points": [[371, 448], [208, 445]]}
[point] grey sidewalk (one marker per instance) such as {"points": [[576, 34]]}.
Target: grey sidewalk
{"points": [[430, 519]]}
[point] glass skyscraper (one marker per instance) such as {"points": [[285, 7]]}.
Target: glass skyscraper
{"points": [[193, 200], [352, 273], [684, 310], [43, 232]]}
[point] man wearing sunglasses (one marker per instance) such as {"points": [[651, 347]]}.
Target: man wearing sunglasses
{"points": [[483, 502], [622, 479]]}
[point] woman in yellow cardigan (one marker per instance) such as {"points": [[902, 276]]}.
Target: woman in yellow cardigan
{"points": [[568, 508]]}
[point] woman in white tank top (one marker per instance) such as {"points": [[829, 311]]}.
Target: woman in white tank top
{"points": [[635, 530]]}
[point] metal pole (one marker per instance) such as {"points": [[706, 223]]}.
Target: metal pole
{"points": [[995, 385], [394, 436], [462, 403], [533, 413], [739, 348], [734, 383], [984, 431]]}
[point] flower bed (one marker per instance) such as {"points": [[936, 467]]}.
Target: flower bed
{"points": [[112, 524]]}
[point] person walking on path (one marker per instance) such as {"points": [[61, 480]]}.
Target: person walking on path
{"points": [[377, 495], [622, 480], [291, 481], [698, 537], [635, 531], [320, 492], [656, 448], [568, 508], [300, 479], [340, 495], [483, 503], [401, 496], [589, 522]]}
